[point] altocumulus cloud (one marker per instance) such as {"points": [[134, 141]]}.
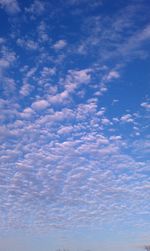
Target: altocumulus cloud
{"points": [[74, 118]]}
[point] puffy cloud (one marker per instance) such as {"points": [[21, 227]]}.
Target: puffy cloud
{"points": [[112, 75], [60, 44], [28, 44], [66, 157], [80, 76], [27, 113], [40, 105], [48, 71], [8, 57], [65, 129], [127, 118], [62, 159], [26, 89], [106, 121], [75, 78], [117, 137], [146, 105], [59, 98]]}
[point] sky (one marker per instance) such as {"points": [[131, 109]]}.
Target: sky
{"points": [[74, 125]]}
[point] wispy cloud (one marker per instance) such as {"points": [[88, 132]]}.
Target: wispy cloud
{"points": [[10, 6], [36, 8]]}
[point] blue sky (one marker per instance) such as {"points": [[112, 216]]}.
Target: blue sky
{"points": [[74, 125]]}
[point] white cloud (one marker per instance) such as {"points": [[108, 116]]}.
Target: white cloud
{"points": [[9, 86], [101, 111], [40, 105], [106, 121], [145, 105], [65, 130], [28, 44], [37, 8], [42, 32], [127, 118], [81, 76], [66, 161], [31, 72], [27, 113], [112, 75], [48, 71], [94, 4], [66, 158], [4, 63], [2, 40], [75, 78], [60, 44], [115, 137], [10, 6], [59, 98], [7, 59], [26, 89]]}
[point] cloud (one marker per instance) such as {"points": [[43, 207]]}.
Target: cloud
{"points": [[2, 40], [134, 43], [40, 105], [112, 75], [65, 130], [43, 33], [8, 57], [116, 137], [146, 105], [69, 158], [62, 97], [119, 39], [106, 121], [37, 8], [85, 3], [127, 118], [26, 89], [9, 86], [60, 44], [48, 71], [76, 78], [27, 113], [64, 158], [28, 44], [80, 76], [10, 6]]}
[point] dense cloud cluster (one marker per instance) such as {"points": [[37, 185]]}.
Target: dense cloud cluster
{"points": [[72, 154]]}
